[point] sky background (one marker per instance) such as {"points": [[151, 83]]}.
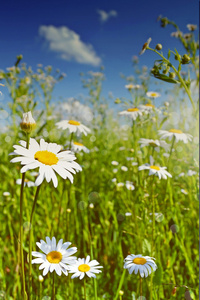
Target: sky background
{"points": [[81, 36]]}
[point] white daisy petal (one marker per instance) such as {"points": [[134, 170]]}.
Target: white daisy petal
{"points": [[141, 264]]}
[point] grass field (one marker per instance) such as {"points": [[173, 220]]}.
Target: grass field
{"points": [[114, 207]]}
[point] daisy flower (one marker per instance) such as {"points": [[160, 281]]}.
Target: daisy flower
{"points": [[114, 163], [55, 258], [178, 134], [191, 27], [147, 107], [132, 86], [132, 112], [129, 186], [76, 147], [73, 126], [83, 266], [124, 168], [154, 143], [140, 264], [153, 94], [49, 158], [155, 170], [144, 47], [27, 182]]}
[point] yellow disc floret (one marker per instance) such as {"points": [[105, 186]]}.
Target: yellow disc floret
{"points": [[139, 261], [46, 157], [155, 168], [84, 268], [78, 144], [149, 105], [54, 257], [72, 122], [175, 131], [133, 109]]}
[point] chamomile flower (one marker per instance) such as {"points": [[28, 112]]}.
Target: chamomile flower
{"points": [[155, 170], [114, 163], [132, 112], [129, 186], [154, 143], [191, 27], [77, 147], [148, 107], [27, 182], [144, 265], [132, 86], [49, 158], [83, 266], [144, 47], [56, 257], [178, 134], [153, 94], [73, 126]]}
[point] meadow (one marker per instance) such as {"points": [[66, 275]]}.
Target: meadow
{"points": [[133, 189]]}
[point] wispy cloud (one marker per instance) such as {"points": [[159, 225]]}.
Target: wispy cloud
{"points": [[105, 16], [68, 44]]}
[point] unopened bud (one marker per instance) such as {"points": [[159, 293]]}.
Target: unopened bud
{"points": [[172, 75], [121, 293], [185, 59], [68, 210], [158, 47], [41, 278], [28, 123], [177, 57], [117, 101]]}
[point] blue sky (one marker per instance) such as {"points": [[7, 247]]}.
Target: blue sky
{"points": [[80, 36]]}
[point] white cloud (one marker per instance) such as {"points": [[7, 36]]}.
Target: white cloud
{"points": [[68, 44], [104, 16]]}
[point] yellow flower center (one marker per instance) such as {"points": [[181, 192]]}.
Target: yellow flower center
{"points": [[84, 268], [133, 109], [149, 105], [78, 144], [54, 257], [175, 131], [72, 122], [139, 261], [155, 168], [154, 94], [46, 157]]}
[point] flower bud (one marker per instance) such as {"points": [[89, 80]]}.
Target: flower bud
{"points": [[172, 75], [117, 101], [121, 293], [28, 123], [177, 57], [185, 59], [41, 278], [158, 47]]}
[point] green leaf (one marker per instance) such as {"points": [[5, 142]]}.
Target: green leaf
{"points": [[165, 78], [146, 246]]}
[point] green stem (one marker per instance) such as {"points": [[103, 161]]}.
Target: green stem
{"points": [[21, 238], [153, 214], [84, 284], [53, 288], [141, 287], [70, 142], [120, 285], [178, 75], [30, 242]]}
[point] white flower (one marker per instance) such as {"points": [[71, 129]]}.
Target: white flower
{"points": [[132, 112], [73, 126], [140, 264], [144, 47], [134, 163], [115, 170], [76, 147], [129, 186], [120, 184], [147, 108], [114, 163], [6, 194], [155, 170], [48, 158], [27, 182], [0, 91], [176, 34], [191, 27], [124, 168], [132, 86], [153, 94], [83, 266], [184, 192], [114, 180], [191, 173], [178, 134], [128, 214], [181, 174], [154, 143], [55, 257]]}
